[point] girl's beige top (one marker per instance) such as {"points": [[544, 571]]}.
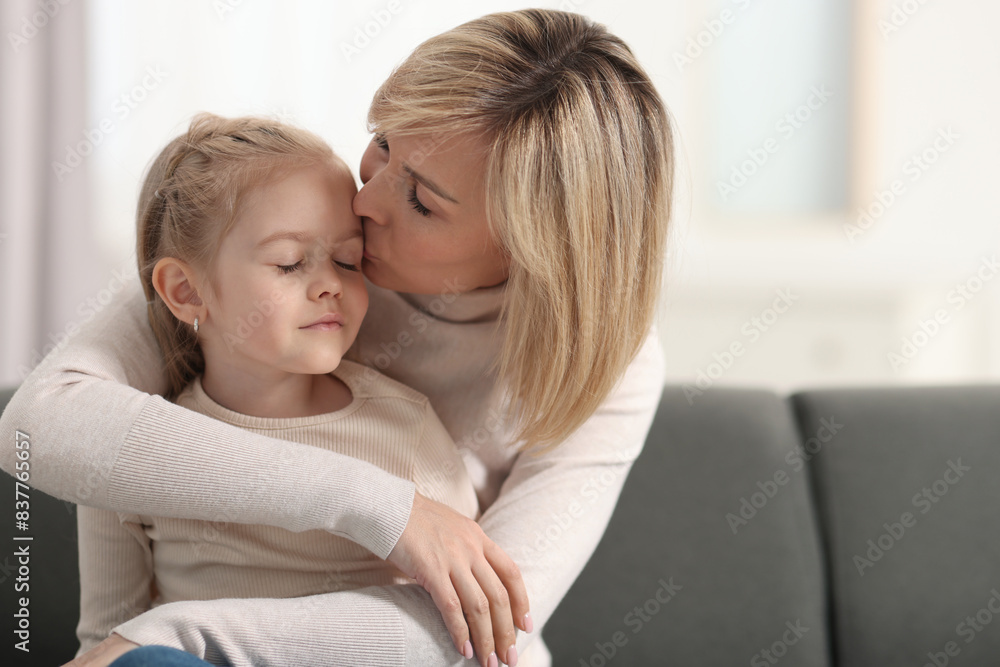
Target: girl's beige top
{"points": [[101, 437], [386, 423]]}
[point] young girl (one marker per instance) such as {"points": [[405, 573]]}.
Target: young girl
{"points": [[249, 254]]}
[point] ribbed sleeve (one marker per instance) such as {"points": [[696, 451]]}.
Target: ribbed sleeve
{"points": [[99, 439], [181, 464]]}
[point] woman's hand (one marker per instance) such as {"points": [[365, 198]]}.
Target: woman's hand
{"points": [[465, 573], [104, 653]]}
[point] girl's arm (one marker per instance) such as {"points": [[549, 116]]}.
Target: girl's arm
{"points": [[550, 515], [99, 437], [116, 570]]}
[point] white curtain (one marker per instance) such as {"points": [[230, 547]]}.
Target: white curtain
{"points": [[48, 262]]}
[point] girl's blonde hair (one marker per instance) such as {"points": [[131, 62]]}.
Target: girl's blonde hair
{"points": [[193, 192], [578, 184]]}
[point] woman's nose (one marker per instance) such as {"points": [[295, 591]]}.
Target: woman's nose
{"points": [[366, 201]]}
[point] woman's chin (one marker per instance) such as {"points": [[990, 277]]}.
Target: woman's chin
{"points": [[376, 275]]}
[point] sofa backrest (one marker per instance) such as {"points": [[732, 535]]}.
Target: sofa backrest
{"points": [[869, 516], [908, 497], [713, 506]]}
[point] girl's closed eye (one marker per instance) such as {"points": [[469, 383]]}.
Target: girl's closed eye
{"points": [[290, 268]]}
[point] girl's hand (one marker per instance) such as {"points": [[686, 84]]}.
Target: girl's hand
{"points": [[465, 572], [104, 653]]}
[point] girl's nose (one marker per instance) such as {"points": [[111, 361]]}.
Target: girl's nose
{"points": [[326, 281]]}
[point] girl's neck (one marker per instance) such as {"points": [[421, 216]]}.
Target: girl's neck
{"points": [[283, 395]]}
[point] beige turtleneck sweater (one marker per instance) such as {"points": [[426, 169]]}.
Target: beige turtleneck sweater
{"points": [[101, 437]]}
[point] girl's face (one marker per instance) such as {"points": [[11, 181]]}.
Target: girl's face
{"points": [[424, 212], [291, 261]]}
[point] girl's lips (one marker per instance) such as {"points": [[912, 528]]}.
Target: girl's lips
{"points": [[329, 322], [324, 326]]}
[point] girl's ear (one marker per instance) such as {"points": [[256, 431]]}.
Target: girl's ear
{"points": [[176, 283]]}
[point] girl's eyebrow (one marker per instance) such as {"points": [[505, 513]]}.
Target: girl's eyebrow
{"points": [[303, 236], [428, 184], [278, 236]]}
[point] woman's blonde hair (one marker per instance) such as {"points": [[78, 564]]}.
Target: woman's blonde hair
{"points": [[578, 184], [193, 192]]}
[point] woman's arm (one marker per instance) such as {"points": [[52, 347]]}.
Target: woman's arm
{"points": [[116, 570], [550, 515], [99, 438]]}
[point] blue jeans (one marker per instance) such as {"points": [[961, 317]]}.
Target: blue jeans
{"points": [[158, 656]]}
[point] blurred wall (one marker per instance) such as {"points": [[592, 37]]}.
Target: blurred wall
{"points": [[892, 285]]}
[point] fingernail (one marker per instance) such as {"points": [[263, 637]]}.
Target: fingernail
{"points": [[511, 656], [467, 650], [492, 662], [528, 625]]}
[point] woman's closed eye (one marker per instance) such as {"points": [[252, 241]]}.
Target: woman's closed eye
{"points": [[415, 203]]}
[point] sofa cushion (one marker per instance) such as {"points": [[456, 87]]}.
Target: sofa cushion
{"points": [[713, 508], [908, 499]]}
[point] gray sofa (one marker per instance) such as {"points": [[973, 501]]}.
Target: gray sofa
{"points": [[849, 527]]}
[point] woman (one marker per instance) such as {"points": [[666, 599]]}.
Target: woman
{"points": [[515, 205]]}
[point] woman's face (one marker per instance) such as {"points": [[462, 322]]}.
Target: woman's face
{"points": [[424, 214]]}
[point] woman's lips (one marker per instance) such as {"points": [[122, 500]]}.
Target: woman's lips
{"points": [[368, 255]]}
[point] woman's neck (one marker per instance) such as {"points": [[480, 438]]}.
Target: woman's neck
{"points": [[276, 394]]}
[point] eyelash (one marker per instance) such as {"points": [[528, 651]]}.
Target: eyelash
{"points": [[291, 268], [415, 203]]}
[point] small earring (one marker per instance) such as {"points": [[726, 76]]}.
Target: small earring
{"points": [[196, 325]]}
